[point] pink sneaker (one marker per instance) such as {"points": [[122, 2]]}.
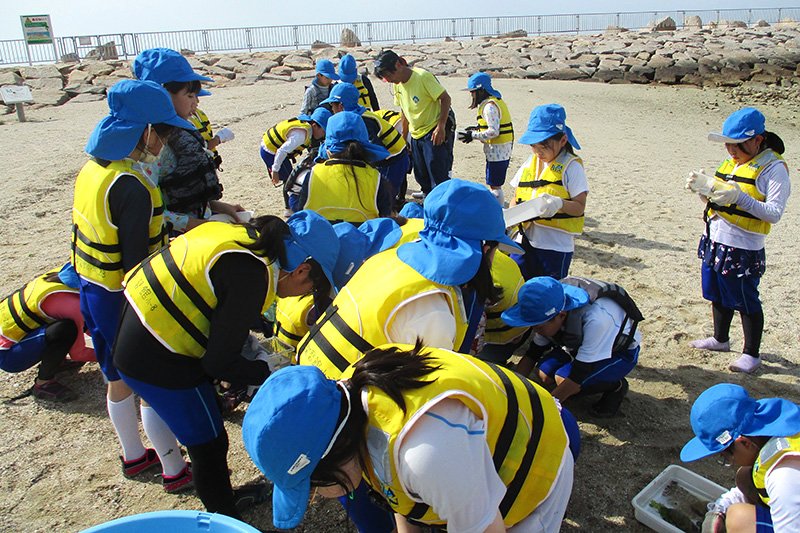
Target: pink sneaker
{"points": [[137, 466], [746, 363], [711, 344], [182, 481]]}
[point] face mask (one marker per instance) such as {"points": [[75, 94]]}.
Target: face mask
{"points": [[148, 162]]}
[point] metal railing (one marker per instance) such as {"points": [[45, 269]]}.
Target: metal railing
{"points": [[128, 45]]}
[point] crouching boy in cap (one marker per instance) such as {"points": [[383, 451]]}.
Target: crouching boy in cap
{"points": [[762, 437], [583, 343]]}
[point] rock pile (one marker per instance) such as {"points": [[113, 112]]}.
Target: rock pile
{"points": [[726, 54]]}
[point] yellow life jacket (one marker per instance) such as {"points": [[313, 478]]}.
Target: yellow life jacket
{"points": [[389, 115], [773, 451], [410, 231], [96, 252], [337, 195], [523, 430], [550, 182], [388, 136], [291, 318], [276, 136], [363, 93], [362, 314], [506, 128], [21, 312], [506, 275], [171, 291], [745, 176], [203, 125]]}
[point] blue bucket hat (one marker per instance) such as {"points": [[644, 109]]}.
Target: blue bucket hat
{"points": [[288, 428], [481, 80], [320, 115], [356, 245], [311, 236], [348, 71], [725, 412], [326, 68], [132, 104], [740, 126], [203, 92], [412, 210], [348, 126], [450, 247], [347, 95], [546, 121], [163, 65], [542, 298]]}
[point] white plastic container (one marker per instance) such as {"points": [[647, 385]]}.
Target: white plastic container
{"points": [[280, 353], [695, 484]]}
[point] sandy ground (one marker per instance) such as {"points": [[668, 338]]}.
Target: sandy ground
{"points": [[59, 469]]}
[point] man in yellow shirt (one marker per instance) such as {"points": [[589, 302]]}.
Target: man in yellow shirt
{"points": [[426, 115]]}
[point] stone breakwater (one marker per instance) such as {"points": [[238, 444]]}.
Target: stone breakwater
{"points": [[759, 58]]}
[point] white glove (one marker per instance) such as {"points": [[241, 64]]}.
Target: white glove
{"points": [[700, 183], [224, 135], [551, 206], [727, 196], [726, 500]]}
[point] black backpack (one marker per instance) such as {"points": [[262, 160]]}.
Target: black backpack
{"points": [[603, 289]]}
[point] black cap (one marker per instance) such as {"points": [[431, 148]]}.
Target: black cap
{"points": [[386, 61]]}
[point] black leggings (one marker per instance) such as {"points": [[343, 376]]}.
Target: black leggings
{"points": [[211, 478], [752, 326], [59, 337]]}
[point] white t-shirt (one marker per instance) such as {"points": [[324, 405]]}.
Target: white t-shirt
{"points": [[543, 237], [773, 182], [428, 317], [601, 322], [783, 486], [431, 464]]}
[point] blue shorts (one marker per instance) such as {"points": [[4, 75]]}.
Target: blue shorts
{"points": [[24, 354], [496, 172], [739, 293], [543, 263], [269, 159], [396, 172], [763, 520], [610, 370], [191, 414], [101, 309]]}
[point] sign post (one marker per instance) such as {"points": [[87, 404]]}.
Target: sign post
{"points": [[17, 94], [37, 29]]}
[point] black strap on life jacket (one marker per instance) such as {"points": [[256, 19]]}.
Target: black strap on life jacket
{"points": [[602, 289], [19, 296], [288, 334], [76, 251], [533, 184], [334, 356]]}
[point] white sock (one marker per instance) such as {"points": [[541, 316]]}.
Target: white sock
{"points": [[126, 424], [498, 193], [163, 441]]}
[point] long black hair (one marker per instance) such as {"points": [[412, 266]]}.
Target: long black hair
{"points": [[482, 282], [478, 96], [391, 370], [353, 155]]}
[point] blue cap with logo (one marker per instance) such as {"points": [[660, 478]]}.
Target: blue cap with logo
{"points": [[326, 68], [288, 428], [347, 95], [481, 80], [348, 70], [542, 298], [546, 121], [132, 104], [311, 236], [345, 127], [459, 216], [740, 126], [163, 65], [725, 412]]}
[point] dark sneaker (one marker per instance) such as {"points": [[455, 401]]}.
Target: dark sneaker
{"points": [[182, 481], [250, 495], [54, 391], [610, 402], [137, 466]]}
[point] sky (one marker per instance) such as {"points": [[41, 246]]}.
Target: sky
{"points": [[93, 17]]}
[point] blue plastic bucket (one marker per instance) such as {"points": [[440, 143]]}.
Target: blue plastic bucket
{"points": [[174, 522]]}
